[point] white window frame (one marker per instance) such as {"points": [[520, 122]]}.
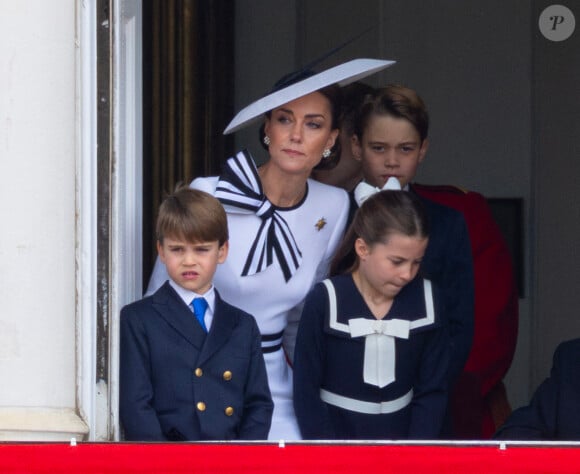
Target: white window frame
{"points": [[98, 400], [127, 179]]}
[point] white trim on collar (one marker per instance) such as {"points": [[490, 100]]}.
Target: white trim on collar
{"points": [[379, 366]]}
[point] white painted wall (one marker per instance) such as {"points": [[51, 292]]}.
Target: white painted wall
{"points": [[37, 211]]}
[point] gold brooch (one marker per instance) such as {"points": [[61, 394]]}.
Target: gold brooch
{"points": [[320, 223]]}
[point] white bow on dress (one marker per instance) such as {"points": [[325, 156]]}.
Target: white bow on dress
{"points": [[379, 358]]}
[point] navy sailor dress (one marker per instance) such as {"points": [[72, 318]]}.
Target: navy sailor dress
{"points": [[356, 377]]}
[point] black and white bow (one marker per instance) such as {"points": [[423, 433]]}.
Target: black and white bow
{"points": [[240, 191]]}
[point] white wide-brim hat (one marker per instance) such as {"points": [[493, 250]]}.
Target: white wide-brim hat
{"points": [[342, 75]]}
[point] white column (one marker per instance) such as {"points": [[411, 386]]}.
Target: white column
{"points": [[37, 210]]}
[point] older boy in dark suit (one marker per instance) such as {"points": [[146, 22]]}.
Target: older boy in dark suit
{"points": [[191, 364]]}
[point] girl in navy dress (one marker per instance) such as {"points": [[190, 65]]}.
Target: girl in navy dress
{"points": [[372, 354]]}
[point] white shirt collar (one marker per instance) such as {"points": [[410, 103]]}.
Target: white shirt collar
{"points": [[187, 296]]}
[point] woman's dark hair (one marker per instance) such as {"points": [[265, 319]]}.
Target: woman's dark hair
{"points": [[353, 96], [397, 101], [381, 215]]}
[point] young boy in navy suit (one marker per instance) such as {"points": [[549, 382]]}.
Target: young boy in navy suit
{"points": [[190, 370]]}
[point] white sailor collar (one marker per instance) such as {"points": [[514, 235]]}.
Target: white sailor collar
{"points": [[379, 335]]}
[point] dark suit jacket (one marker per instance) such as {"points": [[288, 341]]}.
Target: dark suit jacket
{"points": [[554, 412], [448, 262], [477, 397], [178, 383]]}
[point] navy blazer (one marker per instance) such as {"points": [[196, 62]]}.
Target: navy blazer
{"points": [[178, 383], [448, 262], [553, 413]]}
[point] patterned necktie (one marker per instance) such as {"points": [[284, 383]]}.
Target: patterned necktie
{"points": [[199, 306], [240, 191]]}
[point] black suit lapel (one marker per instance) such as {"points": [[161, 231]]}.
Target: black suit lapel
{"points": [[172, 308]]}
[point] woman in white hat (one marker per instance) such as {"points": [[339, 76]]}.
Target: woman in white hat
{"points": [[284, 228]]}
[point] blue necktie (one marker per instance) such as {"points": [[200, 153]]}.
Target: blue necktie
{"points": [[199, 307]]}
